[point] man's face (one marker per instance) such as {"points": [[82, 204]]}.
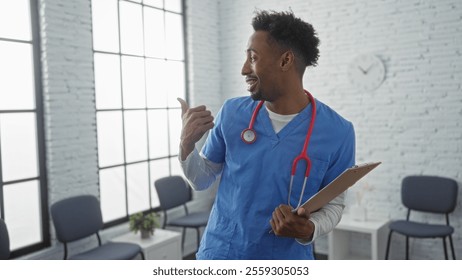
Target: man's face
{"points": [[261, 67]]}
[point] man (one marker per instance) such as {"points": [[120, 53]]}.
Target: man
{"points": [[252, 214]]}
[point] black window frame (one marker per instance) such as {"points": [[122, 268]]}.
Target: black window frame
{"points": [[41, 159]]}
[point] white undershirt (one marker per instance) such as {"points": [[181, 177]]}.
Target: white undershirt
{"points": [[279, 121]]}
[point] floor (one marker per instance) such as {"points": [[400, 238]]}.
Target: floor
{"points": [[317, 256]]}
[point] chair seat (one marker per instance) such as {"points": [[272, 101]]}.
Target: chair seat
{"points": [[420, 230], [198, 219], [110, 251]]}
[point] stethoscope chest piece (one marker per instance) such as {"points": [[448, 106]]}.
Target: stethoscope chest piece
{"points": [[249, 136]]}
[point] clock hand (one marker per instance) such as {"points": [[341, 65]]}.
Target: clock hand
{"points": [[362, 70], [369, 68]]}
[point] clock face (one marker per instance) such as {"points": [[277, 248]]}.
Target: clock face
{"points": [[366, 72]]}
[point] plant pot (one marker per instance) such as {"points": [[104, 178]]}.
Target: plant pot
{"points": [[145, 234]]}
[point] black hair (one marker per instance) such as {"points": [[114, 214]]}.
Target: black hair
{"points": [[292, 33]]}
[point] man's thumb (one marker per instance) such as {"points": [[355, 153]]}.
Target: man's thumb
{"points": [[184, 106], [302, 212]]}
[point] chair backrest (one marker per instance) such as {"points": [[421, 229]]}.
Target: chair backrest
{"points": [[4, 241], [429, 194], [76, 217], [172, 191]]}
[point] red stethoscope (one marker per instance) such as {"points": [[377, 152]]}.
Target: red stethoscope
{"points": [[249, 136]]}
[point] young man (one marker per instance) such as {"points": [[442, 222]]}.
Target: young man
{"points": [[253, 150]]}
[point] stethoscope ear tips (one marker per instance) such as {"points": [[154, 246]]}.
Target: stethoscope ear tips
{"points": [[249, 136]]}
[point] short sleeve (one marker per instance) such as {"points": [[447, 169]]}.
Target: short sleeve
{"points": [[343, 158], [215, 148]]}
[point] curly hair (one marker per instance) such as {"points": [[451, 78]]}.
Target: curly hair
{"points": [[290, 32]]}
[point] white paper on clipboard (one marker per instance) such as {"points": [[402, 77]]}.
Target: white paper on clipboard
{"points": [[345, 180]]}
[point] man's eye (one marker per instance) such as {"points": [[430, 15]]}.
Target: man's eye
{"points": [[253, 58]]}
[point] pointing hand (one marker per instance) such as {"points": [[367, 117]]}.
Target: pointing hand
{"points": [[196, 122]]}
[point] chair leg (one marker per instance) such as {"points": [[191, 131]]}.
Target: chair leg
{"points": [[407, 247], [445, 249], [198, 238], [388, 245], [183, 236], [452, 247], [142, 255]]}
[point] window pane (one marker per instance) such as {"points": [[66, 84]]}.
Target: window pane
{"points": [[22, 213], [175, 78], [175, 166], [15, 19], [156, 85], [138, 187], [175, 125], [133, 82], [107, 81], [18, 146], [174, 36], [136, 143], [158, 133], [154, 38], [159, 169], [110, 141], [112, 189], [154, 3], [131, 28], [105, 25], [173, 5], [16, 76]]}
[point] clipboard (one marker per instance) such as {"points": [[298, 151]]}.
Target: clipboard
{"points": [[345, 180]]}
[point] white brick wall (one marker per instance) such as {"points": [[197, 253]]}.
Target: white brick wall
{"points": [[413, 122], [205, 67], [68, 89]]}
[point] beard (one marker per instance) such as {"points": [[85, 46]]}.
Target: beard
{"points": [[257, 96], [260, 95]]}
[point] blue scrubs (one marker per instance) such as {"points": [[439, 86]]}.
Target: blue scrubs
{"points": [[255, 178]]}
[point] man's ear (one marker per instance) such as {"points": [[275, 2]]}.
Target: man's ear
{"points": [[287, 60]]}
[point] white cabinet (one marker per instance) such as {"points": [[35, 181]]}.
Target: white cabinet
{"points": [[163, 245], [340, 242]]}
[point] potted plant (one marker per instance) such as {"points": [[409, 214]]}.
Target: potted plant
{"points": [[145, 223]]}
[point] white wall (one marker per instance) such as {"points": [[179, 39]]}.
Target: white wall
{"points": [[413, 122]]}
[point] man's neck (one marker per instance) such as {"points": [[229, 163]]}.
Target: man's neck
{"points": [[289, 104]]}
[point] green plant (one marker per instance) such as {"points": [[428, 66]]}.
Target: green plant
{"points": [[144, 222]]}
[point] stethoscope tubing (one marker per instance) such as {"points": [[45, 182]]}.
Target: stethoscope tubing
{"points": [[249, 136]]}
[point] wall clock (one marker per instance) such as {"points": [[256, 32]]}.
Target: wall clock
{"points": [[366, 72]]}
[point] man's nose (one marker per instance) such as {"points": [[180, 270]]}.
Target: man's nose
{"points": [[245, 68]]}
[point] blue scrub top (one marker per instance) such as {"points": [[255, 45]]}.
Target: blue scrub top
{"points": [[255, 178]]}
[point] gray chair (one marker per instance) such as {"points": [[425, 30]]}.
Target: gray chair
{"points": [[4, 241], [426, 194], [80, 217], [174, 191]]}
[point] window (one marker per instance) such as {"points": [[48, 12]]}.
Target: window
{"points": [[139, 62], [23, 201]]}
